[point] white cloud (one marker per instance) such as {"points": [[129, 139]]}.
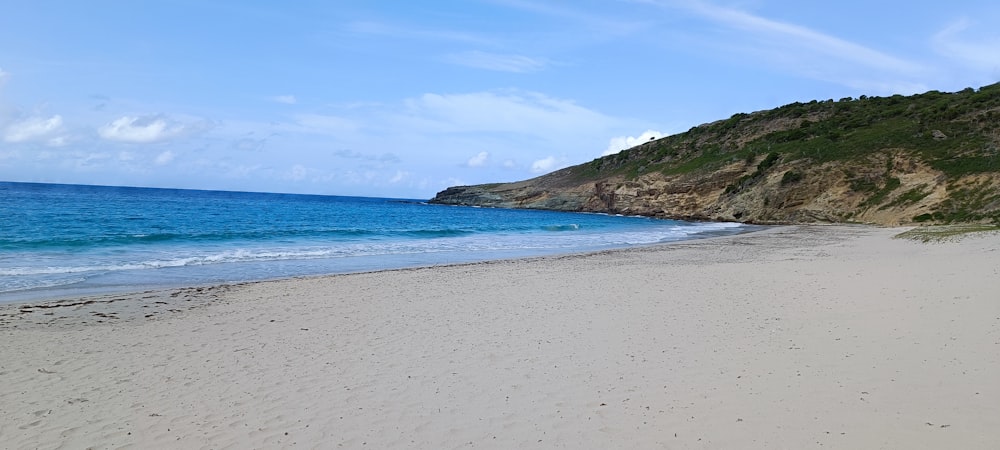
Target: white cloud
{"points": [[142, 129], [620, 143], [3, 76], [165, 158], [286, 99], [478, 160], [498, 62], [33, 128], [548, 164]]}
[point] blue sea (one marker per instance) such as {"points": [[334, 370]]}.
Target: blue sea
{"points": [[65, 240]]}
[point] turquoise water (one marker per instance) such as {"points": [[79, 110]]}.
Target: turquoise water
{"points": [[59, 240]]}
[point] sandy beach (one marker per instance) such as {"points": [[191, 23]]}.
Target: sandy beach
{"points": [[793, 337]]}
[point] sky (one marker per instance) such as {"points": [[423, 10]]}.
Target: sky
{"points": [[404, 99]]}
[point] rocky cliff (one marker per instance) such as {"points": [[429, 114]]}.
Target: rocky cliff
{"points": [[896, 160]]}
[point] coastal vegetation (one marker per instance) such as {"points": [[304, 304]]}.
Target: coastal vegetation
{"points": [[930, 158], [947, 233]]}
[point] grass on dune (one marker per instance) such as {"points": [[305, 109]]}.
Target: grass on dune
{"points": [[947, 233]]}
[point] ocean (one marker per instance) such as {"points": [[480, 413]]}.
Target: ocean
{"points": [[61, 240]]}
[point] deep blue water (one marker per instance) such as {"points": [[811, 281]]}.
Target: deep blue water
{"points": [[59, 240]]}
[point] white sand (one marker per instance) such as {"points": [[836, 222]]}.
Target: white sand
{"points": [[795, 337]]}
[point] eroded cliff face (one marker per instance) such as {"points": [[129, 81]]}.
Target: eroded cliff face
{"points": [[885, 189], [933, 157]]}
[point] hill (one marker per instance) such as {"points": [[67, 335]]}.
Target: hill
{"points": [[932, 157]]}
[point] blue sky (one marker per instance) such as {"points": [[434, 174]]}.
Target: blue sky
{"points": [[403, 99]]}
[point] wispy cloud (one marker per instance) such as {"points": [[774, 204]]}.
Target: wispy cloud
{"points": [[285, 99], [385, 158], [498, 62], [791, 35], [397, 31], [799, 49], [596, 22], [980, 52], [520, 112]]}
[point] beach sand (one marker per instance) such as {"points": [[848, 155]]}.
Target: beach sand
{"points": [[793, 337]]}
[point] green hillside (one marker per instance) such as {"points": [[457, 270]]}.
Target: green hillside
{"points": [[934, 155]]}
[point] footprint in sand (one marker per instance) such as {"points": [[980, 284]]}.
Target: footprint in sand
{"points": [[32, 424]]}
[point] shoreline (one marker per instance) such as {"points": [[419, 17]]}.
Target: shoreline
{"points": [[67, 293], [789, 337]]}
